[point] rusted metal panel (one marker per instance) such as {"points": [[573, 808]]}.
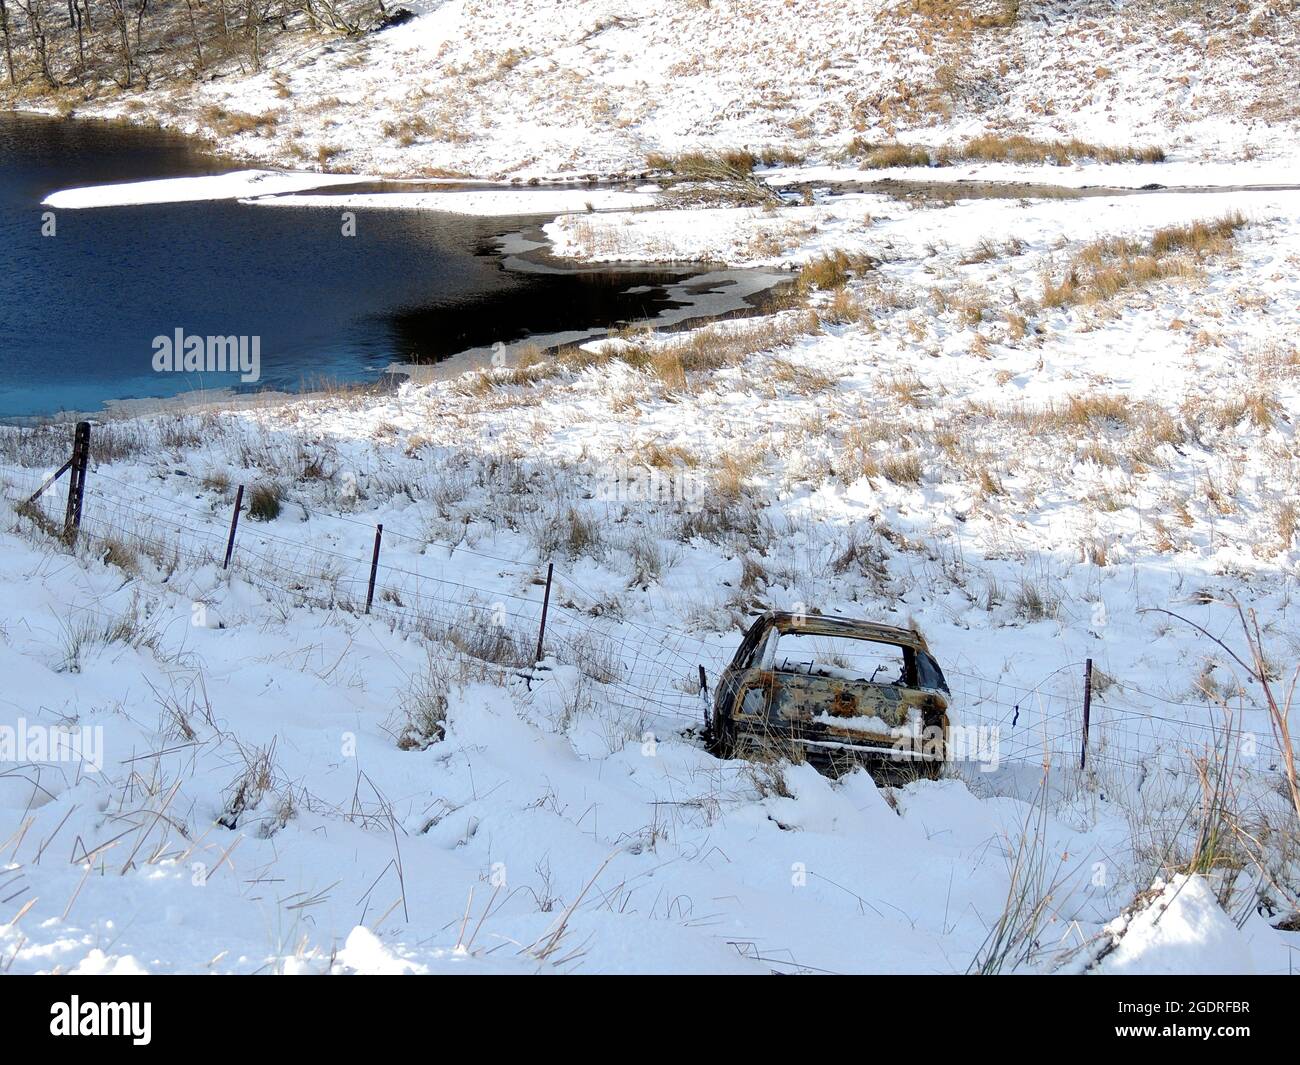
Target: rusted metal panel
{"points": [[851, 628]]}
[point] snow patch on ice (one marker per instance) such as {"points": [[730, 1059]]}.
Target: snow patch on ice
{"points": [[230, 186]]}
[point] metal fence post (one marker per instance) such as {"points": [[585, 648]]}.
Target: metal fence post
{"points": [[1087, 711], [234, 524], [374, 567], [546, 603]]}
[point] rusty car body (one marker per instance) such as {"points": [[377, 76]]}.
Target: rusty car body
{"points": [[882, 702]]}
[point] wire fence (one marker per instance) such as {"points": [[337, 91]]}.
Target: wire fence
{"points": [[643, 666]]}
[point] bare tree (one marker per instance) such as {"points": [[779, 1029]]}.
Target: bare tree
{"points": [[330, 14], [118, 16], [194, 34], [75, 20], [257, 14], [99, 43], [9, 48], [39, 44]]}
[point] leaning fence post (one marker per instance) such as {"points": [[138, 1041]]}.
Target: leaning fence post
{"points": [[704, 698], [546, 603], [48, 481], [76, 482], [1087, 711], [234, 524], [374, 567]]}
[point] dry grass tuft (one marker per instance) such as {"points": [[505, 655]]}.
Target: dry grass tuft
{"points": [[800, 380], [845, 309], [732, 472], [232, 123], [871, 155], [959, 18], [781, 155], [705, 166], [725, 177], [671, 358], [997, 148], [570, 533], [659, 456], [832, 270], [902, 468], [265, 500], [1035, 601], [1287, 522], [1099, 271], [908, 389]]}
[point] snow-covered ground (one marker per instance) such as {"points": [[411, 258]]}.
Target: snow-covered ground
{"points": [[286, 783], [545, 87], [972, 428]]}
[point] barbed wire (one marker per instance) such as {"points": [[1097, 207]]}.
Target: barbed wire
{"points": [[643, 652]]}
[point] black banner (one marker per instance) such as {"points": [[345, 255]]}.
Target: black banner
{"points": [[223, 1013]]}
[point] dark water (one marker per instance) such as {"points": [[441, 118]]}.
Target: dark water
{"points": [[79, 310]]}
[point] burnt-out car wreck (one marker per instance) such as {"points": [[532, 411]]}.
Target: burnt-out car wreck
{"points": [[834, 692]]}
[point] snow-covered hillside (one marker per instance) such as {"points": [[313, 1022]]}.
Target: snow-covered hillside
{"points": [[1028, 427], [541, 87]]}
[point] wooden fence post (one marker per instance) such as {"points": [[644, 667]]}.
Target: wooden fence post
{"points": [[234, 524], [374, 567], [1087, 711], [76, 482], [48, 481], [546, 603]]}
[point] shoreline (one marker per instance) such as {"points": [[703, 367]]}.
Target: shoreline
{"points": [[519, 252]]}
